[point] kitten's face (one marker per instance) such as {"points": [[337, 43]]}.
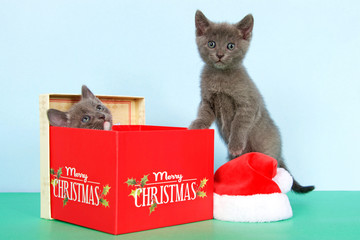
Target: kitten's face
{"points": [[222, 45], [89, 113]]}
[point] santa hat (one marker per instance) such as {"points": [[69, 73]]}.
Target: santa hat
{"points": [[251, 188]]}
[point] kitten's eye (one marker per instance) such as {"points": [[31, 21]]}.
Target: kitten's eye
{"points": [[211, 44], [231, 46], [85, 119], [99, 108]]}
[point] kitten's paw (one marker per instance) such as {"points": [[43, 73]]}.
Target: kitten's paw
{"points": [[198, 125], [236, 150], [236, 153], [107, 126]]}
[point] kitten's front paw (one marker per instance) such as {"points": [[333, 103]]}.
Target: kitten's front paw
{"points": [[236, 149], [197, 124]]}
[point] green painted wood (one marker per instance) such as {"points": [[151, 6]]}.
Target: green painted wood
{"points": [[317, 215]]}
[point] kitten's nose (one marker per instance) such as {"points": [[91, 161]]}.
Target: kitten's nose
{"points": [[101, 116], [220, 55]]}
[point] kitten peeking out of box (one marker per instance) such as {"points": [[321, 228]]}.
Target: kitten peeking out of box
{"points": [[88, 113]]}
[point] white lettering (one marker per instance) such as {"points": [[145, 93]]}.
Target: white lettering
{"points": [[161, 176], [136, 197], [70, 171]]}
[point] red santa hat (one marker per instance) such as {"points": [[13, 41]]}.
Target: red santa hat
{"points": [[251, 188]]}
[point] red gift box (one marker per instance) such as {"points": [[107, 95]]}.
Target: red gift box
{"points": [[133, 178]]}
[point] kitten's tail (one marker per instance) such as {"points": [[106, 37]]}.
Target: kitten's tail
{"points": [[296, 187]]}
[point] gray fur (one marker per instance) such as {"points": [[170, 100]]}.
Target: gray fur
{"points": [[89, 106], [229, 96]]}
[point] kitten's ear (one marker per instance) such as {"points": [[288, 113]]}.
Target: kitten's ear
{"points": [[246, 26], [86, 93], [57, 118], [201, 23]]}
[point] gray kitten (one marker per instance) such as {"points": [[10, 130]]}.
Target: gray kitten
{"points": [[89, 113], [229, 96]]}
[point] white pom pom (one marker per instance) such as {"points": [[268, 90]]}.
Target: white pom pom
{"points": [[284, 180]]}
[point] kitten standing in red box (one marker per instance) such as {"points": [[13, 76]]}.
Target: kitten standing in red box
{"points": [[230, 97], [88, 113]]}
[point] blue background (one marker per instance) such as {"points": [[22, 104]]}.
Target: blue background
{"points": [[304, 57]]}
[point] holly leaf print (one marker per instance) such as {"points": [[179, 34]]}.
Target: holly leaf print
{"points": [[144, 180], [201, 194], [152, 207], [66, 199], [135, 193], [52, 172], [106, 190], [203, 183], [59, 172], [131, 182], [104, 202], [54, 182]]}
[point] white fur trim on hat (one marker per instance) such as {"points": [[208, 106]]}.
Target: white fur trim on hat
{"points": [[253, 208], [283, 179]]}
